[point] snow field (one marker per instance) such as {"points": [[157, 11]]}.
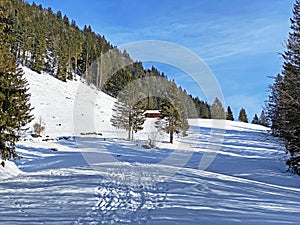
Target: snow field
{"points": [[81, 177]]}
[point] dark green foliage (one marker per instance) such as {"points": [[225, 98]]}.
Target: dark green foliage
{"points": [[48, 41], [14, 106], [274, 105], [263, 120], [229, 114], [202, 108], [243, 116], [284, 99], [173, 119], [154, 83], [217, 110], [255, 120]]}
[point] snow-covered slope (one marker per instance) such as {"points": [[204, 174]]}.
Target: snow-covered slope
{"points": [[9, 170], [55, 102], [105, 179]]}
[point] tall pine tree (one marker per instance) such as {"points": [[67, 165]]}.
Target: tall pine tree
{"points": [[284, 100], [173, 114], [14, 106], [217, 110], [229, 114], [263, 119], [255, 119], [243, 116]]}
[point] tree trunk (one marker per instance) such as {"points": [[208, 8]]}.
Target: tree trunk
{"points": [[69, 66], [132, 133], [86, 66], [129, 133], [171, 137], [99, 73]]}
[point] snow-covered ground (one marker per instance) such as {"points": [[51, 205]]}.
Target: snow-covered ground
{"points": [[77, 176]]}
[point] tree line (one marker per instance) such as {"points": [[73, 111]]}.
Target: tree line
{"points": [[42, 40], [49, 41]]}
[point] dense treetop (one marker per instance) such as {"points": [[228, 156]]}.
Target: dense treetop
{"points": [[14, 98]]}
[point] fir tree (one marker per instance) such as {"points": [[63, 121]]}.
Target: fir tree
{"points": [[263, 119], [243, 116], [173, 114], [217, 110], [284, 100], [255, 120], [39, 42], [274, 107], [229, 114], [14, 106], [204, 110]]}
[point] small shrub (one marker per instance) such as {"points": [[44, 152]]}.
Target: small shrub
{"points": [[38, 128]]}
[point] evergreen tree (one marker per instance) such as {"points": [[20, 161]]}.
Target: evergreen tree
{"points": [[274, 108], [229, 114], [255, 119], [128, 113], [263, 119], [39, 41], [243, 116], [14, 106], [204, 110], [173, 114], [284, 100], [217, 110]]}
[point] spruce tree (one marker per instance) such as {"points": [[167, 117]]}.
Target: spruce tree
{"points": [[284, 100], [204, 110], [263, 119], [255, 120], [14, 106], [274, 108], [173, 114], [39, 42], [243, 116], [229, 114], [217, 110]]}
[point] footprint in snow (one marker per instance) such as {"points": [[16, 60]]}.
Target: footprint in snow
{"points": [[125, 202]]}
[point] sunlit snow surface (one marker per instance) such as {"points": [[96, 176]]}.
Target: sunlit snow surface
{"points": [[246, 183]]}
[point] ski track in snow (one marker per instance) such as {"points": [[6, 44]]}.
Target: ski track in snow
{"points": [[246, 183], [119, 203], [235, 189]]}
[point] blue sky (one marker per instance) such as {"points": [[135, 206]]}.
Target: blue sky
{"points": [[238, 39]]}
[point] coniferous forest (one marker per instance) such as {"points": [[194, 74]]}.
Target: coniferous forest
{"points": [[48, 41]]}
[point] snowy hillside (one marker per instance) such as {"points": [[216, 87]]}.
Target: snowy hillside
{"points": [[77, 176], [55, 101]]}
